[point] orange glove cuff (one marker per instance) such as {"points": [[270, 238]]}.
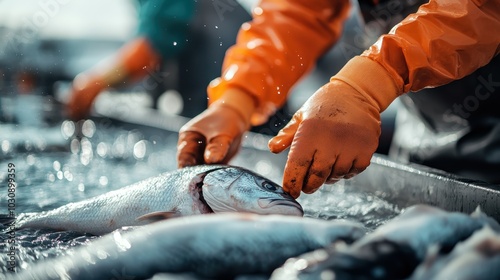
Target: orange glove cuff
{"points": [[371, 80], [243, 103]]}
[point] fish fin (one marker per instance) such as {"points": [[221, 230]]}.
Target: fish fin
{"points": [[159, 216]]}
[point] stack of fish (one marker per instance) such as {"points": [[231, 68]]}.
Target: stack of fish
{"points": [[423, 242], [416, 242]]}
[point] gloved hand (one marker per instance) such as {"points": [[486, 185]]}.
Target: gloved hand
{"points": [[336, 132], [132, 62], [332, 136], [84, 91], [215, 135]]}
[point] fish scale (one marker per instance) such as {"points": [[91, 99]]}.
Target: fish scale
{"points": [[95, 215]]}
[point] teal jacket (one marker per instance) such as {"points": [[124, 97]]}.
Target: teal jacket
{"points": [[165, 23]]}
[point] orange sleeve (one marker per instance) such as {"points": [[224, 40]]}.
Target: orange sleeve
{"points": [[275, 49], [443, 41]]}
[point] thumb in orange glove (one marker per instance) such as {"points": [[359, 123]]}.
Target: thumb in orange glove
{"points": [[335, 133], [215, 135], [132, 59]]}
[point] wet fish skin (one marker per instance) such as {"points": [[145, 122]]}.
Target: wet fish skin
{"points": [[216, 246], [478, 257], [177, 193], [393, 250]]}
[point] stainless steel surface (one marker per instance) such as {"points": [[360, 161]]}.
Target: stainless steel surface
{"points": [[406, 185], [401, 184]]}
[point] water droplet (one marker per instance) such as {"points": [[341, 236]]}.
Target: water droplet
{"points": [[30, 159], [67, 129], [216, 27], [264, 167], [103, 180], [6, 146], [68, 175], [300, 264], [88, 128], [102, 149], [101, 254], [140, 149], [175, 43], [75, 146], [56, 165]]}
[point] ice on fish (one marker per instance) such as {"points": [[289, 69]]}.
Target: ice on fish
{"points": [[393, 250], [475, 258]]}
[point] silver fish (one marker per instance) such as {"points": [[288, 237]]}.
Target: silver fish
{"points": [[475, 258], [392, 251], [214, 246], [184, 192]]}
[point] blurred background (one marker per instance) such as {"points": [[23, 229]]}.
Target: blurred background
{"points": [[46, 43]]}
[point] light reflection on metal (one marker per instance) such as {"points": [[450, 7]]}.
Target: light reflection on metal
{"points": [[67, 129], [88, 128], [140, 149], [102, 149]]}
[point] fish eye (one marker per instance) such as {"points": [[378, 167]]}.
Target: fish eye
{"points": [[269, 186]]}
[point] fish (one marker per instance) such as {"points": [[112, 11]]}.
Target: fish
{"points": [[478, 257], [188, 191], [220, 246], [392, 251]]}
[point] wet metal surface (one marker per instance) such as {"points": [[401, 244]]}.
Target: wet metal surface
{"points": [[406, 185]]}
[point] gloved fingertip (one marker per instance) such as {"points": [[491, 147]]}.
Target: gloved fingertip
{"points": [[331, 181], [213, 156], [349, 176], [277, 145], [291, 191], [310, 191], [186, 161]]}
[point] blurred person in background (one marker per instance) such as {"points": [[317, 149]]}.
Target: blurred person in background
{"points": [[191, 35], [335, 133]]}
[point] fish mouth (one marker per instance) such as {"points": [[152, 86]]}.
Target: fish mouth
{"points": [[289, 207]]}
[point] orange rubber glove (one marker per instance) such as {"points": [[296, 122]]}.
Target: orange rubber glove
{"points": [[335, 133], [215, 135], [275, 49], [132, 62]]}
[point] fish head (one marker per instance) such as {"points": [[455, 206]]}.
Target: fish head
{"points": [[235, 189]]}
